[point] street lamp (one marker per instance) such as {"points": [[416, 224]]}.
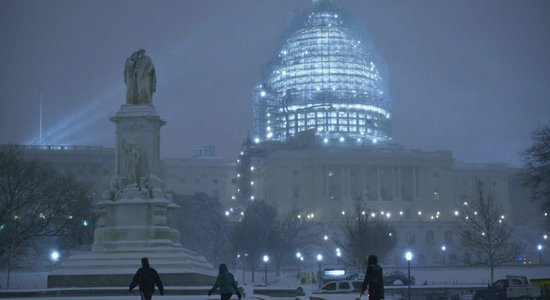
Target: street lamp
{"points": [[443, 249], [265, 259], [539, 247], [300, 258], [54, 256], [241, 263], [339, 255], [319, 261], [409, 257]]}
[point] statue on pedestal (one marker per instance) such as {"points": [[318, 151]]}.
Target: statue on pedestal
{"points": [[140, 79], [132, 163]]}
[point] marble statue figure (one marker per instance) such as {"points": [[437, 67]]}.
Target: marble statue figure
{"points": [[140, 79], [133, 160]]}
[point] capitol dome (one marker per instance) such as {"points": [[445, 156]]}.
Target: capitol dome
{"points": [[325, 77]]}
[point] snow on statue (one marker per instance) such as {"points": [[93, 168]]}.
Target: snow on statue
{"points": [[140, 79]]}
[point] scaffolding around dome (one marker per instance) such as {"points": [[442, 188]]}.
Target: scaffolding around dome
{"points": [[326, 77]]}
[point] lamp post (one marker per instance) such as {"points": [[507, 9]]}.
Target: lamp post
{"points": [[443, 249], [241, 263], [319, 261], [299, 258], [539, 247], [338, 256], [12, 247], [265, 259], [409, 257]]}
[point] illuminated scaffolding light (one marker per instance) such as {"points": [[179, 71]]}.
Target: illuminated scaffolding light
{"points": [[327, 77]]}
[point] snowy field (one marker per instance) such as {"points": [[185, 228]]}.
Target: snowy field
{"points": [[430, 276]]}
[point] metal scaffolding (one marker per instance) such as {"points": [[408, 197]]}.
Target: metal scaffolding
{"points": [[326, 77]]}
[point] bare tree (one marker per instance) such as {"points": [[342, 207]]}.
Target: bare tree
{"points": [[36, 202], [484, 232], [362, 235], [203, 227], [292, 231], [537, 166], [252, 235]]}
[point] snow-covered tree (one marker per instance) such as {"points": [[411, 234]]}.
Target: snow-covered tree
{"points": [[537, 167], [293, 231], [362, 235], [484, 231], [252, 235], [203, 227], [36, 202]]}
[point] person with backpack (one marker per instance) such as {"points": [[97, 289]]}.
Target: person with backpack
{"points": [[146, 277], [226, 282], [374, 279]]}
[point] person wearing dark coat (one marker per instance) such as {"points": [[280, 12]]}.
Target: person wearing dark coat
{"points": [[374, 279], [146, 277], [226, 282]]}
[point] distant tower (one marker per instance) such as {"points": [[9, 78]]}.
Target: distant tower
{"points": [[40, 135], [326, 77]]}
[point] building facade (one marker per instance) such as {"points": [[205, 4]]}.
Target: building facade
{"points": [[202, 173], [419, 193], [322, 118]]}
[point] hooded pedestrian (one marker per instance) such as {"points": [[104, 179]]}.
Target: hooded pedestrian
{"points": [[226, 282], [146, 277], [374, 280]]}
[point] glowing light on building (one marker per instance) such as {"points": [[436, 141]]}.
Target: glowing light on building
{"points": [[55, 255], [327, 77]]}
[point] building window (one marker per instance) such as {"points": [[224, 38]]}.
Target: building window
{"points": [[215, 181], [430, 239], [448, 238], [421, 259], [467, 258], [411, 238], [295, 193]]}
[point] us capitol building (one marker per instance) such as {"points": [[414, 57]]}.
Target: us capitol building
{"points": [[322, 118]]}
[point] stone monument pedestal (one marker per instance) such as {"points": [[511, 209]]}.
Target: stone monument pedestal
{"points": [[135, 218]]}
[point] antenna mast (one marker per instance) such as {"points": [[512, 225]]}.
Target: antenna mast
{"points": [[40, 137]]}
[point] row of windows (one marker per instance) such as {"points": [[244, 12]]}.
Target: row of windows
{"points": [[197, 180], [429, 238], [341, 116], [333, 128]]}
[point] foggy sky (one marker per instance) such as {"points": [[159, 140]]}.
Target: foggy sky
{"points": [[472, 77]]}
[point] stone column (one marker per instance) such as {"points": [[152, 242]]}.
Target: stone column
{"points": [[378, 184]]}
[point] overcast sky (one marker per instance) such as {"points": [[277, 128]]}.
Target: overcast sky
{"points": [[470, 76]]}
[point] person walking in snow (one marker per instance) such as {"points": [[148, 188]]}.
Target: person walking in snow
{"points": [[146, 277], [226, 282], [373, 279]]}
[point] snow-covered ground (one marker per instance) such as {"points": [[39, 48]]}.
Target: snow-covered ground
{"points": [[431, 276]]}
